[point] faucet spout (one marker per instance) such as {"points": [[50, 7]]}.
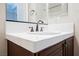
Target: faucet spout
{"points": [[37, 28]]}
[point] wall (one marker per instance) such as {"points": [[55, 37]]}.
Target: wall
{"points": [[74, 13], [3, 43], [73, 17]]}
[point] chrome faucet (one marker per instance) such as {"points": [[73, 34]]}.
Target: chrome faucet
{"points": [[37, 26]]}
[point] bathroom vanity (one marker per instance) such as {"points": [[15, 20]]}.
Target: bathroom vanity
{"points": [[58, 40], [63, 48], [46, 45]]}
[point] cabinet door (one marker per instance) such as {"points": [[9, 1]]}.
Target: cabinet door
{"points": [[69, 47], [56, 50], [16, 50]]}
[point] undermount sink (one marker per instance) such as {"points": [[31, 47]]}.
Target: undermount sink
{"points": [[43, 33]]}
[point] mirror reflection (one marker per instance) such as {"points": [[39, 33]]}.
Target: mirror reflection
{"points": [[33, 12], [37, 11], [17, 12], [11, 11], [57, 9]]}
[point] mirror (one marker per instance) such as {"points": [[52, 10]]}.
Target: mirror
{"points": [[17, 12], [57, 9], [45, 11], [37, 11], [32, 12]]}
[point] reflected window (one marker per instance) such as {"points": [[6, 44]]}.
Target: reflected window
{"points": [[11, 11]]}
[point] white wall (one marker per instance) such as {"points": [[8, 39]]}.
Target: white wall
{"points": [[3, 43], [74, 13], [73, 16]]}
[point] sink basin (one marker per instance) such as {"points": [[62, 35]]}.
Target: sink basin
{"points": [[42, 33]]}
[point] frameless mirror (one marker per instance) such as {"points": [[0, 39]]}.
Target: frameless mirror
{"points": [[57, 9], [33, 12], [37, 11], [17, 12], [44, 11]]}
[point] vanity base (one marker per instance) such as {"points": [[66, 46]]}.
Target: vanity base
{"points": [[64, 48]]}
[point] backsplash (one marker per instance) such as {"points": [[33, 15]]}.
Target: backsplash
{"points": [[62, 27], [20, 27], [16, 27], [24, 27]]}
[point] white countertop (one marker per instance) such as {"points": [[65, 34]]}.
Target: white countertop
{"points": [[35, 43]]}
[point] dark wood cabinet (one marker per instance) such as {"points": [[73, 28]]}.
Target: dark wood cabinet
{"points": [[64, 48], [16, 50], [69, 47], [56, 49]]}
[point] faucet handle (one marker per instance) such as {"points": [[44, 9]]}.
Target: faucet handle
{"points": [[41, 29], [31, 29]]}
